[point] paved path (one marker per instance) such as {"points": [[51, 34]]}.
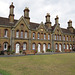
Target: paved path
{"points": [[47, 53]]}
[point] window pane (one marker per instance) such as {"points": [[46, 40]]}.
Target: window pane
{"points": [[21, 34], [44, 36], [48, 46], [25, 34], [33, 46], [48, 37], [17, 34], [24, 46], [38, 36], [33, 35], [5, 33]]}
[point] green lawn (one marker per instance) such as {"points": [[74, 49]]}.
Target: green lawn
{"points": [[56, 64]]}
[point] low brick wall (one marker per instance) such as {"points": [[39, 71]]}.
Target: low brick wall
{"points": [[68, 50], [30, 52]]}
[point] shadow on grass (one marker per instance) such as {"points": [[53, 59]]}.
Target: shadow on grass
{"points": [[3, 72]]}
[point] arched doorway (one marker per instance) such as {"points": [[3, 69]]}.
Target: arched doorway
{"points": [[44, 47], [39, 47], [17, 48], [60, 48]]}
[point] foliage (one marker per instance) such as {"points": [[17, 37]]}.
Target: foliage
{"points": [[13, 51], [3, 72], [20, 51], [74, 49], [49, 50], [35, 51]]}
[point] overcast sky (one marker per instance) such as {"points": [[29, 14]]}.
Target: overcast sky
{"points": [[65, 9]]}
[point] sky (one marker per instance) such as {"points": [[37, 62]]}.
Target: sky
{"points": [[65, 9]]}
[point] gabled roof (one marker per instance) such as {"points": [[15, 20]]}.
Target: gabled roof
{"points": [[66, 31], [5, 21], [34, 25]]}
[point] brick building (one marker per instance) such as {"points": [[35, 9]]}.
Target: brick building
{"points": [[25, 35]]}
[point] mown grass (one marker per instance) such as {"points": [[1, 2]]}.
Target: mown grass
{"points": [[2, 72], [58, 64]]}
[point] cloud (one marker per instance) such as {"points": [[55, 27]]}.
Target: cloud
{"points": [[65, 9]]}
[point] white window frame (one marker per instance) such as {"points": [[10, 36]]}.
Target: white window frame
{"points": [[38, 35], [21, 34], [5, 32], [60, 37], [44, 36], [55, 37], [70, 47], [33, 46], [24, 46], [17, 34], [56, 46], [64, 38], [26, 34], [67, 46], [64, 46], [33, 35], [48, 45], [48, 36]]}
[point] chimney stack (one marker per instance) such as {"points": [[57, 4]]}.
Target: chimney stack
{"points": [[26, 15], [11, 15], [48, 23]]}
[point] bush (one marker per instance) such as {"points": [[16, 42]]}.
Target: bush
{"points": [[20, 51], [74, 49], [2, 53], [12, 52], [35, 51], [49, 50]]}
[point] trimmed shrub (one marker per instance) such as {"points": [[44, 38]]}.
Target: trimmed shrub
{"points": [[49, 50]]}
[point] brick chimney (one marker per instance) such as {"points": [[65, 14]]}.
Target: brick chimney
{"points": [[26, 15], [48, 23], [11, 14]]}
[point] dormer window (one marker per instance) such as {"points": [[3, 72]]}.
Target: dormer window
{"points": [[5, 32]]}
